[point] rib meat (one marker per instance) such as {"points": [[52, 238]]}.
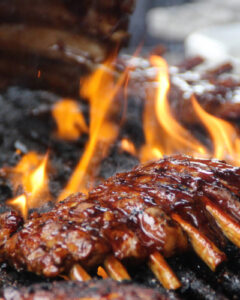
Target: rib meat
{"points": [[9, 223], [155, 208], [92, 290], [61, 40], [103, 20]]}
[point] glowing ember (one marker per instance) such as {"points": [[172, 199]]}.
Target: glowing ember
{"points": [[100, 89], [224, 135], [31, 177], [128, 146], [70, 121], [38, 74], [21, 204]]}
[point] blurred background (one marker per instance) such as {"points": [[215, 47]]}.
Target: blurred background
{"points": [[178, 24]]}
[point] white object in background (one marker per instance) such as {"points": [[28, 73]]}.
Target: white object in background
{"points": [[216, 44], [177, 22]]}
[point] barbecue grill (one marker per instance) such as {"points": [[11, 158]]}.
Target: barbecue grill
{"points": [[50, 62]]}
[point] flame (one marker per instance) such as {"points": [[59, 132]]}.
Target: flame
{"points": [[20, 203], [224, 136], [128, 146], [102, 273], [153, 137], [163, 134], [37, 181], [31, 177], [69, 119], [100, 89]]}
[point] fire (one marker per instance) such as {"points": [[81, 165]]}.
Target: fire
{"points": [[100, 89], [224, 136], [30, 177], [128, 146], [102, 273], [69, 119], [163, 134], [39, 74], [21, 204], [153, 136]]}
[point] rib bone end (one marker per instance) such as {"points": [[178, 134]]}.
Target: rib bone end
{"points": [[79, 274], [205, 248], [115, 269], [163, 272], [227, 224]]}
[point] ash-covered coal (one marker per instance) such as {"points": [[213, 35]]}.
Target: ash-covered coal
{"points": [[26, 124]]}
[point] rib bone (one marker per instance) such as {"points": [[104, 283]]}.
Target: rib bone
{"points": [[205, 248], [163, 272], [79, 274], [228, 225], [115, 269]]}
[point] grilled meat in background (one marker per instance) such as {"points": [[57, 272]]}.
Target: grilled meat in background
{"points": [[216, 89], [49, 43]]}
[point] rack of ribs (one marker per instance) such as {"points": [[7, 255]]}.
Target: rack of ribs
{"points": [[54, 43], [154, 211]]}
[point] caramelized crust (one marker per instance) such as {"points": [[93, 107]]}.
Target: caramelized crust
{"points": [[9, 223]]}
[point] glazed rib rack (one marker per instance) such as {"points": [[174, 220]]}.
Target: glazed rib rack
{"points": [[147, 213]]}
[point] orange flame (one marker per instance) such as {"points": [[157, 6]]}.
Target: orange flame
{"points": [[102, 273], [30, 175], [166, 136], [70, 121], [39, 74], [163, 135], [224, 136], [153, 136], [128, 146], [20, 203], [100, 89]]}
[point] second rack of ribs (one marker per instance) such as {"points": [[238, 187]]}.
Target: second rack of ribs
{"points": [[166, 207]]}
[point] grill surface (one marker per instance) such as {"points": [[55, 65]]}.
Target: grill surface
{"points": [[25, 125]]}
